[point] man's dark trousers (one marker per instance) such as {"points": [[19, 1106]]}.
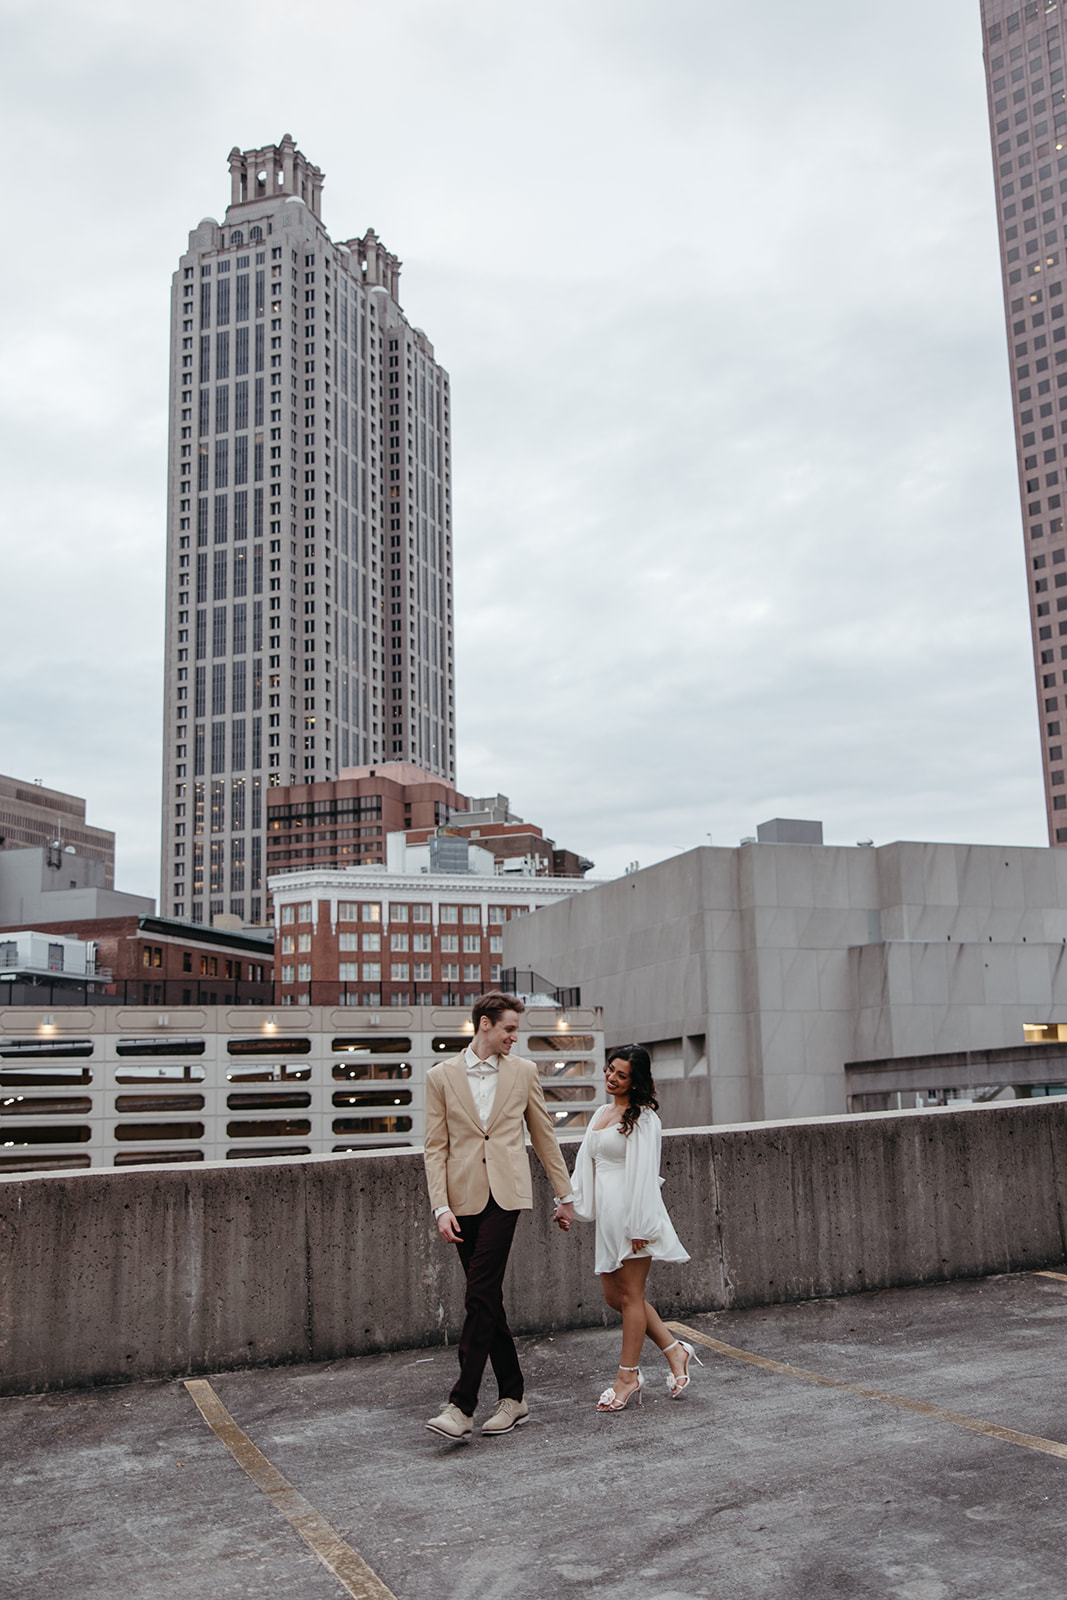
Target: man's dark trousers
{"points": [[484, 1252]]}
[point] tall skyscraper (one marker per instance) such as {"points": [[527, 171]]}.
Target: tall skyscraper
{"points": [[309, 529], [1024, 60]]}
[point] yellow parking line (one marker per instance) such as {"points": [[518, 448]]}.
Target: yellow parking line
{"points": [[350, 1570], [992, 1430], [1061, 1276]]}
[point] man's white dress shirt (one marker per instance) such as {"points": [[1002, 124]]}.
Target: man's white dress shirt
{"points": [[482, 1078]]}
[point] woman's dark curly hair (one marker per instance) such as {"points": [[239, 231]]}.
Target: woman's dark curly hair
{"points": [[642, 1088]]}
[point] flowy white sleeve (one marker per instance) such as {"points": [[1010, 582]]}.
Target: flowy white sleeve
{"points": [[583, 1179], [645, 1211]]}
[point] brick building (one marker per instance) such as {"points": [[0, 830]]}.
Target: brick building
{"points": [[159, 961], [367, 937], [345, 822]]}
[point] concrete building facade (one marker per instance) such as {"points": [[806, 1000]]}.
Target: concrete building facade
{"points": [[1024, 63], [366, 937], [47, 884], [119, 1087], [33, 817], [755, 974], [309, 555]]}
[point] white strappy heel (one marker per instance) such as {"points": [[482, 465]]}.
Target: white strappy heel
{"points": [[678, 1384], [609, 1400]]}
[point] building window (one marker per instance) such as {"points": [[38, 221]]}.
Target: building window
{"points": [[472, 972], [450, 941], [450, 972], [372, 912], [398, 941], [420, 914], [398, 913], [304, 911], [449, 914], [348, 972], [372, 971], [303, 943], [288, 913], [472, 944], [288, 974], [422, 972], [372, 941], [472, 914], [348, 941], [303, 972], [399, 973]]}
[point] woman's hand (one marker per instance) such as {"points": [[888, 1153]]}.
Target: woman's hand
{"points": [[638, 1245]]}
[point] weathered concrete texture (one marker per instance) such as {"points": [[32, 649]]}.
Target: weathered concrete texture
{"points": [[754, 974], [162, 1271], [754, 1485]]}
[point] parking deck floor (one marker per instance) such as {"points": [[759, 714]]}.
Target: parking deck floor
{"points": [[759, 1482]]}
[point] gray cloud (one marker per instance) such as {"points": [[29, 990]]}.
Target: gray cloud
{"points": [[736, 524]]}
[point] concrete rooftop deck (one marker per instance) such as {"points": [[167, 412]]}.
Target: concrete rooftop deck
{"points": [[756, 1484]]}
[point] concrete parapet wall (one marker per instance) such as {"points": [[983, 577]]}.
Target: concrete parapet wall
{"points": [[154, 1272]]}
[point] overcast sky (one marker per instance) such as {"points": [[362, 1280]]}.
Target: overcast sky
{"points": [[736, 524]]}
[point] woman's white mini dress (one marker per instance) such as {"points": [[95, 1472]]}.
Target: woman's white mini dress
{"points": [[617, 1185]]}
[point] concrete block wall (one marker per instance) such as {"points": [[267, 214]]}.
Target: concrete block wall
{"points": [[164, 1271], [788, 960]]}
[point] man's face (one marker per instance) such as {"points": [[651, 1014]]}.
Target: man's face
{"points": [[499, 1035]]}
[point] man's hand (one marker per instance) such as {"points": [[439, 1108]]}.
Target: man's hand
{"points": [[564, 1215], [448, 1228], [639, 1245]]}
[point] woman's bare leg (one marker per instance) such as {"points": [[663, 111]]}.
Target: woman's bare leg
{"points": [[624, 1290]]}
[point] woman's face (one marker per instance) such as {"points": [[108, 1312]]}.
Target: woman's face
{"points": [[617, 1076]]}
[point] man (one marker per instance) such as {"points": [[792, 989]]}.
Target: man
{"points": [[478, 1175]]}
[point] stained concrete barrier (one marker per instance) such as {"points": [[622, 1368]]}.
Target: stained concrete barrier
{"points": [[161, 1271]]}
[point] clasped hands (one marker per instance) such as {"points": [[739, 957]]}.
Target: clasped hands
{"points": [[448, 1227]]}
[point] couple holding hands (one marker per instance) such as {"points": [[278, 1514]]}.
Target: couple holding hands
{"points": [[479, 1105]]}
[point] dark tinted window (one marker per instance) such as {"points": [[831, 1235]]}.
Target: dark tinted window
{"points": [[155, 1158], [59, 1078], [153, 1132], [54, 1048], [372, 1044], [295, 1128], [160, 1047], [269, 1044], [159, 1102], [354, 1098], [265, 1101], [22, 1105], [371, 1069], [372, 1124]]}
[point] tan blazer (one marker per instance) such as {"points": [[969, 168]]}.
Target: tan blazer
{"points": [[465, 1162]]}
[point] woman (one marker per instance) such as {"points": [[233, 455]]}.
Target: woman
{"points": [[616, 1185]]}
